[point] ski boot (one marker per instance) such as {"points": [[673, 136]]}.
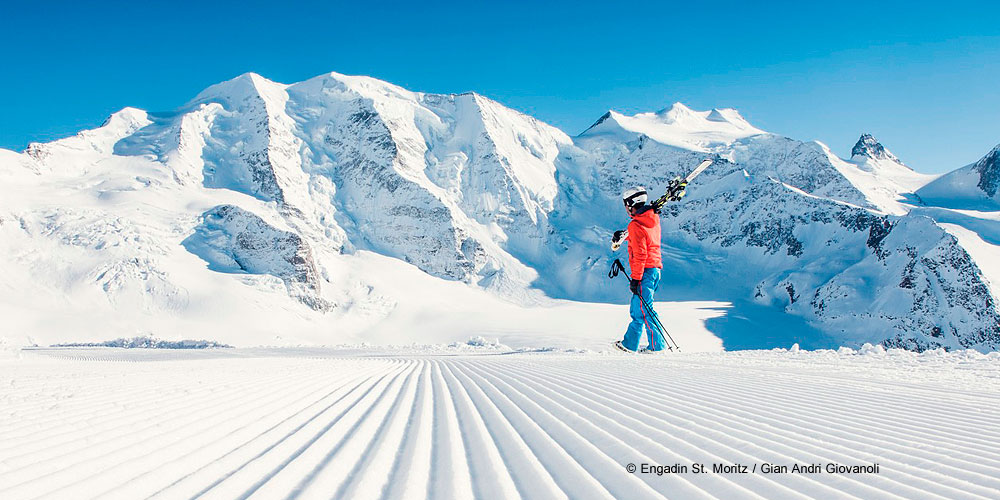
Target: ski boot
{"points": [[621, 347]]}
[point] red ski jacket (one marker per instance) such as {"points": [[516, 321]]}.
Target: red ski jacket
{"points": [[644, 243]]}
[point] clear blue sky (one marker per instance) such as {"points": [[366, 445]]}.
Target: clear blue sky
{"points": [[924, 77]]}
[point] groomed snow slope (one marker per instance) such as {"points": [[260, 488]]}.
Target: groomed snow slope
{"points": [[487, 422]]}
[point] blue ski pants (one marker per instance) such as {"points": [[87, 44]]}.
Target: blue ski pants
{"points": [[641, 318]]}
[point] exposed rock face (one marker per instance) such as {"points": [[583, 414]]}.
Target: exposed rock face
{"points": [[382, 203], [925, 288], [245, 121], [440, 181], [232, 239], [868, 147], [988, 169], [454, 184]]}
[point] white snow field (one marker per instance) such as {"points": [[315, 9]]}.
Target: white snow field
{"points": [[487, 421]]}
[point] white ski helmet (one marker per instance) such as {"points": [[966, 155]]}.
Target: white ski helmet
{"points": [[634, 196]]}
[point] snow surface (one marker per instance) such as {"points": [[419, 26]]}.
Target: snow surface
{"points": [[958, 189], [480, 420]]}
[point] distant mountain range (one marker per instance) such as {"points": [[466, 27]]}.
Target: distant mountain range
{"points": [[260, 206]]}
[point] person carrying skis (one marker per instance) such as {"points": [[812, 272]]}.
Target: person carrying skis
{"points": [[645, 262]]}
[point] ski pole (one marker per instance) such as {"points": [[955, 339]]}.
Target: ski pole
{"points": [[616, 268], [658, 323], [659, 327]]}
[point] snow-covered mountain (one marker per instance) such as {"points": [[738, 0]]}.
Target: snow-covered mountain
{"points": [[975, 186], [320, 210], [677, 126], [830, 240]]}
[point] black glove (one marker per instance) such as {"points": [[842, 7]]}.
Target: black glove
{"points": [[618, 239], [634, 286]]}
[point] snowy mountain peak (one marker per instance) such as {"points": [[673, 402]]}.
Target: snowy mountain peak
{"points": [[731, 116], [605, 117], [676, 112], [884, 179], [678, 126], [989, 172], [332, 84], [975, 186], [716, 116], [241, 87], [126, 120], [868, 147], [93, 143]]}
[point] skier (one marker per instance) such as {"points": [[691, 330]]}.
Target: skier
{"points": [[645, 262]]}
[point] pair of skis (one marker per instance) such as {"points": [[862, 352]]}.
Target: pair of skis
{"points": [[675, 192]]}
